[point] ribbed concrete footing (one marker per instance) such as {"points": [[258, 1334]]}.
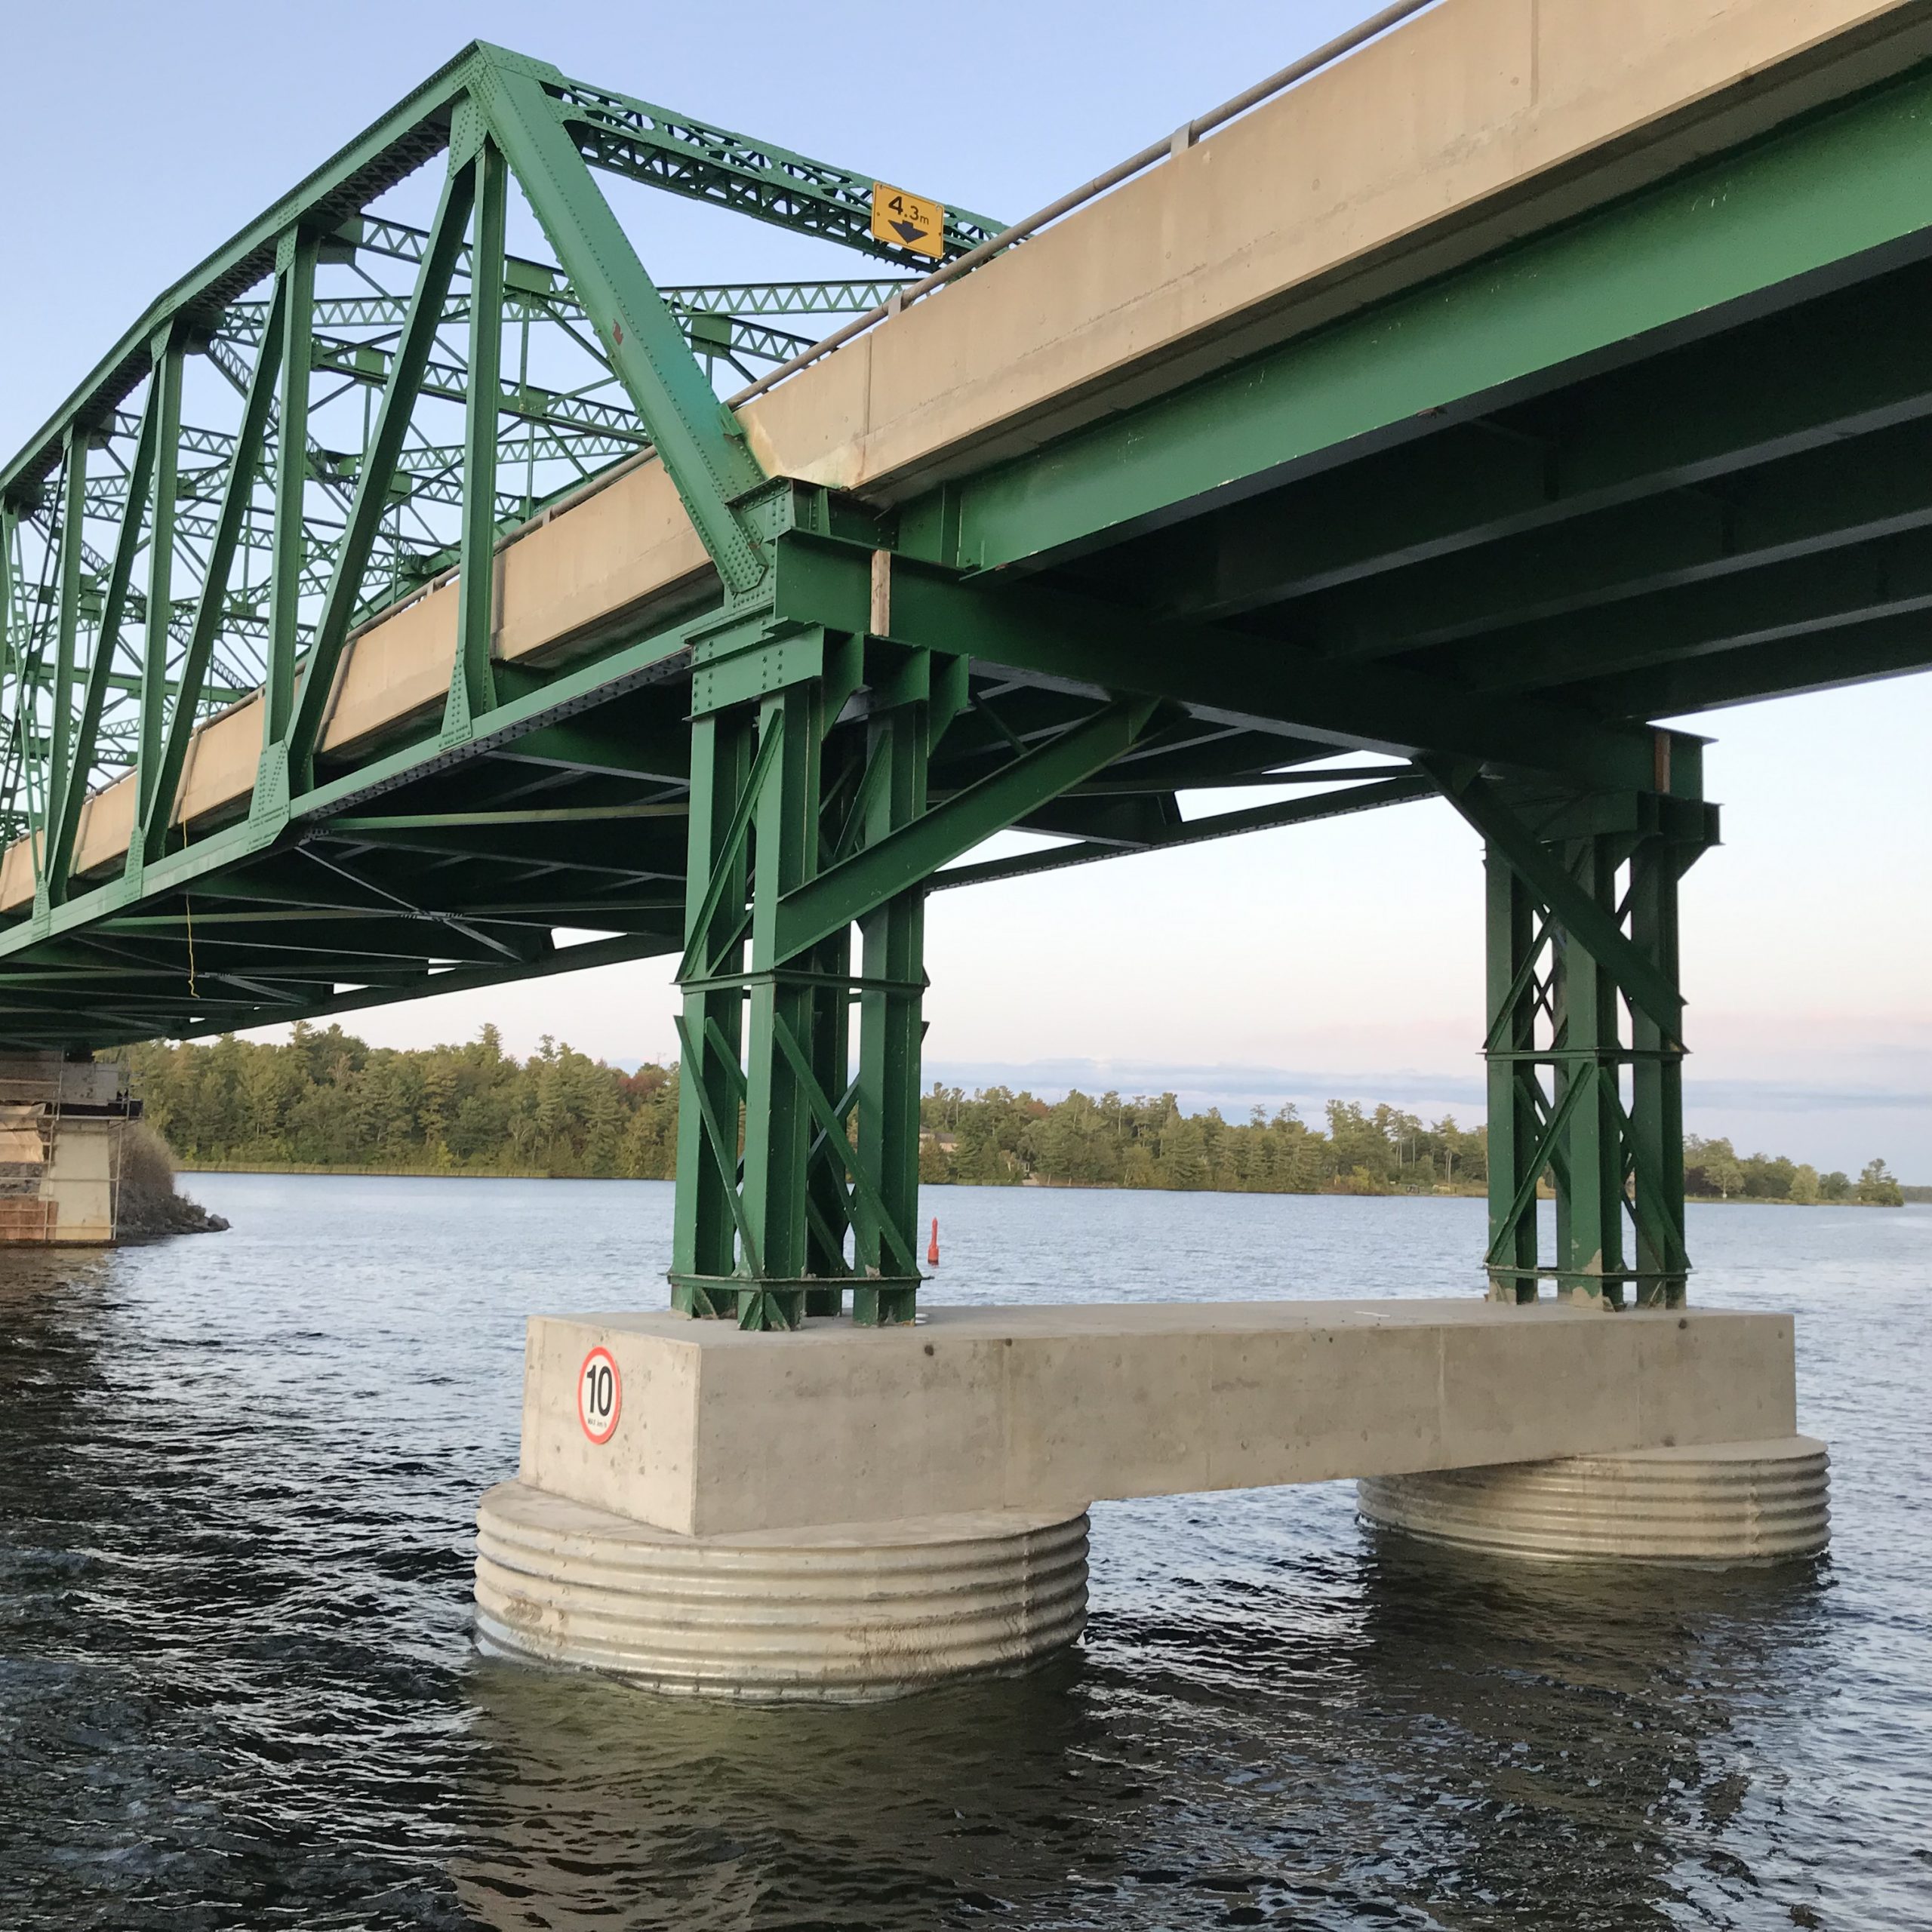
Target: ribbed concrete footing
{"points": [[1730, 1503], [843, 1613]]}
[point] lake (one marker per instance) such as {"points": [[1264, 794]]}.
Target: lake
{"points": [[238, 1687]]}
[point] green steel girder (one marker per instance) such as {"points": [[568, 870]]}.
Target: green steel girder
{"points": [[636, 752], [1220, 674], [1687, 425], [1812, 595], [1785, 667], [1849, 492], [1751, 232]]}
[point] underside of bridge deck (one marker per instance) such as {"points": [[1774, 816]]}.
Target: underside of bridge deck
{"points": [[1464, 542]]}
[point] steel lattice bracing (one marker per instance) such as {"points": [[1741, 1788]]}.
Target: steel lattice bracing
{"points": [[1472, 536]]}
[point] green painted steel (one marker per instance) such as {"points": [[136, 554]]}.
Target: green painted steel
{"points": [[1671, 456], [1585, 1093]]}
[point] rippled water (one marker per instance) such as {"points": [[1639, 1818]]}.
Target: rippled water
{"points": [[238, 1686]]}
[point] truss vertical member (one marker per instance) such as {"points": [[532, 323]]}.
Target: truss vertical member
{"points": [[1584, 1047]]}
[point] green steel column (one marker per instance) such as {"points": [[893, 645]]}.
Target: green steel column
{"points": [[1590, 1204], [891, 1027], [169, 356], [711, 1087], [473, 687], [67, 618], [1511, 952], [296, 260], [1656, 1080], [778, 1116]]}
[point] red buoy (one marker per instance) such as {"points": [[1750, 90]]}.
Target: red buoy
{"points": [[932, 1246]]}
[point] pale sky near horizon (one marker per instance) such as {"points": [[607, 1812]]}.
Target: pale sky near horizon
{"points": [[1342, 958]]}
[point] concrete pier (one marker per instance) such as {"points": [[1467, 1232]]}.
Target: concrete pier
{"points": [[1720, 1503], [62, 1124], [843, 1613], [845, 1512]]}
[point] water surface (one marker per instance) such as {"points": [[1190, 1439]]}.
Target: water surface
{"points": [[238, 1685]]}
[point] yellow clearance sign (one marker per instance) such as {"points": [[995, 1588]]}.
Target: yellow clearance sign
{"points": [[909, 221]]}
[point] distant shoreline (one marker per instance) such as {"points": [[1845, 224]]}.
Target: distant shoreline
{"points": [[1919, 1194]]}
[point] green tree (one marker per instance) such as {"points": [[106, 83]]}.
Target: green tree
{"points": [[1878, 1187]]}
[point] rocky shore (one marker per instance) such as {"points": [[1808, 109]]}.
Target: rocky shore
{"points": [[151, 1207]]}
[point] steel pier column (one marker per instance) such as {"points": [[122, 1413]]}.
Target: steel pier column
{"points": [[798, 1178], [1584, 1044]]}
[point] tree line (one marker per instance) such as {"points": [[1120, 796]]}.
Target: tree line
{"points": [[997, 1137], [326, 1099], [1713, 1171]]}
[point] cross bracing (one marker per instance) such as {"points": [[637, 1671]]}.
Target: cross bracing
{"points": [[1465, 543]]}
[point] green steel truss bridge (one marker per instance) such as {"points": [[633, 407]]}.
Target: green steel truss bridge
{"points": [[394, 610]]}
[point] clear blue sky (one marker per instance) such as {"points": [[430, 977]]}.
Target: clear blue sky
{"points": [[1339, 959]]}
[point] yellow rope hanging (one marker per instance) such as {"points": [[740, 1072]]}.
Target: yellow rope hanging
{"points": [[188, 913]]}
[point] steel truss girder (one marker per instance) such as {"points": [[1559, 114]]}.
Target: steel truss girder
{"points": [[600, 296]]}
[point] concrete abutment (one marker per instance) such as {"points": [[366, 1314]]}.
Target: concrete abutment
{"points": [[841, 1513], [63, 1124]]}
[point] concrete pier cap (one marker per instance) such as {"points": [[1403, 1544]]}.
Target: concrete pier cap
{"points": [[847, 1512]]}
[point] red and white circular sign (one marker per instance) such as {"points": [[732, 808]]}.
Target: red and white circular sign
{"points": [[600, 1396]]}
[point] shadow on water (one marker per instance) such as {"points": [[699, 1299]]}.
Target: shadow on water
{"points": [[1386, 1734]]}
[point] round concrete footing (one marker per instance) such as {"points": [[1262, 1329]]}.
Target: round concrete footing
{"points": [[850, 1612], [1729, 1503]]}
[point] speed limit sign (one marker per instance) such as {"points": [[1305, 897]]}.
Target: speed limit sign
{"points": [[600, 1396]]}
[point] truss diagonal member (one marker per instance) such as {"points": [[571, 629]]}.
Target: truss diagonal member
{"points": [[415, 912], [829, 1125], [723, 1152], [1586, 1081], [1526, 978], [695, 965], [696, 438], [1586, 922], [1657, 1217], [211, 608], [911, 854]]}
